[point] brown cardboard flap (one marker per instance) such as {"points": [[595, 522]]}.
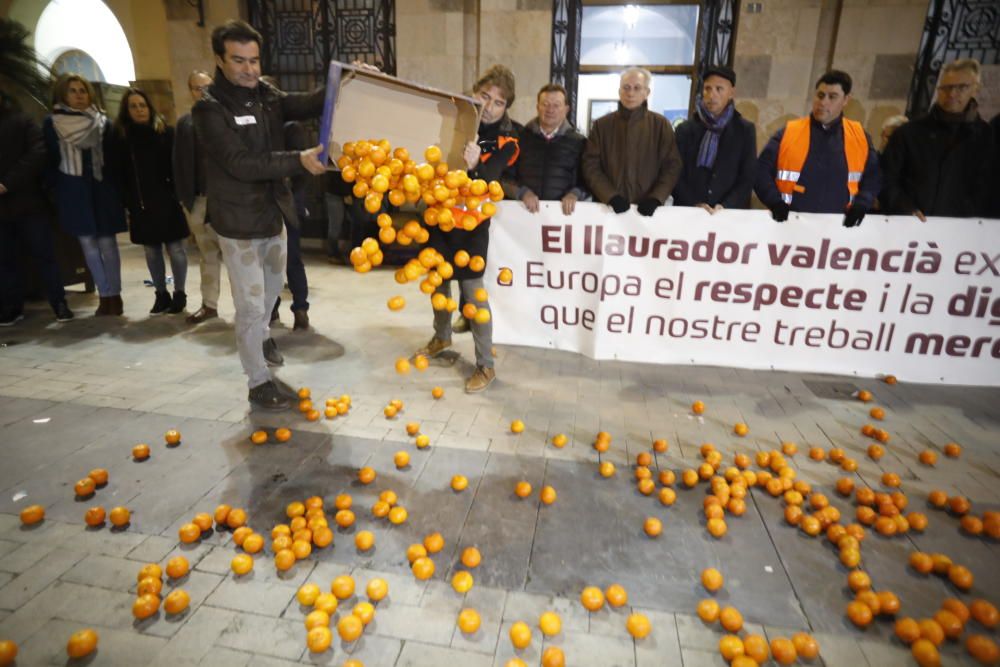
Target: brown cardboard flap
{"points": [[373, 105]]}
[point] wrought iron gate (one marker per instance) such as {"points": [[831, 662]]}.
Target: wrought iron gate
{"points": [[953, 29]]}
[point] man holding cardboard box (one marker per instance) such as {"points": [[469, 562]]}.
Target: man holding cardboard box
{"points": [[239, 122]]}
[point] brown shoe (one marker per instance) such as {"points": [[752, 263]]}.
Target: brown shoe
{"points": [[202, 314], [301, 320], [433, 348], [480, 380]]}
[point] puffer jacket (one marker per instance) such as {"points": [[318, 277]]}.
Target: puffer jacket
{"points": [[241, 131]]}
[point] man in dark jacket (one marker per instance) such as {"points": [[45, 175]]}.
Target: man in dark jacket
{"points": [[240, 125], [24, 215], [940, 164], [548, 168], [189, 181], [631, 155], [823, 163], [718, 148]]}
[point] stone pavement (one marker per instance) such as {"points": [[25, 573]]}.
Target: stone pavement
{"points": [[78, 396]]}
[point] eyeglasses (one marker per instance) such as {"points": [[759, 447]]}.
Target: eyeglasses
{"points": [[633, 89], [955, 88]]}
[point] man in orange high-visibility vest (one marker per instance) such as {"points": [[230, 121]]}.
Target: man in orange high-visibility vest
{"points": [[823, 163]]}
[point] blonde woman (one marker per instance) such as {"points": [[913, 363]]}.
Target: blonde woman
{"points": [[82, 169]]}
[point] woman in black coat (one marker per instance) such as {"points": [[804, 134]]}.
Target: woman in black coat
{"points": [[155, 216]]}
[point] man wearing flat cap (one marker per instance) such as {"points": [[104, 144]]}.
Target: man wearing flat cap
{"points": [[718, 148]]}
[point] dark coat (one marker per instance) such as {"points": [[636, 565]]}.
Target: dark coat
{"points": [[189, 163], [550, 168], [824, 174], [86, 206], [939, 168], [155, 215], [730, 180], [22, 161], [246, 163], [495, 164], [632, 154]]}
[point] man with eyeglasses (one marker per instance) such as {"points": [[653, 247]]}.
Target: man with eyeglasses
{"points": [[189, 183], [940, 164], [631, 155]]}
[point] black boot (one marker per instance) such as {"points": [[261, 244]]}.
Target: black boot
{"points": [[274, 311], [268, 397], [162, 304], [178, 303], [301, 320]]}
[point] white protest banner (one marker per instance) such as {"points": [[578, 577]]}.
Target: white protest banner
{"points": [[918, 300]]}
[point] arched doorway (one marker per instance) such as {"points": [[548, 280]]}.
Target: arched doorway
{"points": [[88, 27]]}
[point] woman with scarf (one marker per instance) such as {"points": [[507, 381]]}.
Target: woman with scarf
{"points": [[155, 216], [718, 148], [82, 170]]}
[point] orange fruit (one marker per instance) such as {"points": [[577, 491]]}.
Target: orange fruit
{"points": [[925, 653], [783, 651], [176, 602], [708, 610], [241, 564], [140, 452], [469, 621], [859, 613], [84, 487], [638, 625], [711, 579], [471, 557], [203, 520], [520, 635], [755, 647], [398, 515], [553, 656], [282, 435], [959, 505], [731, 619], [237, 517], [616, 595], [652, 526], [547, 495], [437, 392], [366, 475], [81, 643], [592, 598], [349, 627], [983, 649], [698, 407], [522, 489], [716, 527], [957, 607], [322, 537], [377, 589], [960, 576], [517, 426], [326, 602], [864, 396], [953, 450], [99, 475], [741, 429], [462, 582], [189, 533], [364, 540], [94, 516], [907, 630], [985, 613], [318, 638], [433, 543], [937, 498], [928, 457], [731, 647], [149, 586], [877, 413], [120, 517], [284, 559], [459, 483], [667, 496], [307, 594], [177, 567], [258, 437], [172, 437], [342, 587], [8, 652], [888, 603], [423, 568], [401, 459], [145, 606], [422, 441]]}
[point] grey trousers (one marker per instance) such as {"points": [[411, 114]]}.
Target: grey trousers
{"points": [[210, 264], [482, 334], [256, 270]]}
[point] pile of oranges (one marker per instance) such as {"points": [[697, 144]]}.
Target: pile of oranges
{"points": [[150, 587], [323, 606]]}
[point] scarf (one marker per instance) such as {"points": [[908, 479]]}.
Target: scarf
{"points": [[709, 148], [79, 131], [969, 115]]}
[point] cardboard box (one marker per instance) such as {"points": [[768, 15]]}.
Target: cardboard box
{"points": [[366, 104]]}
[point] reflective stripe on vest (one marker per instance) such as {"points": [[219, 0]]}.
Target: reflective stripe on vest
{"points": [[794, 149]]}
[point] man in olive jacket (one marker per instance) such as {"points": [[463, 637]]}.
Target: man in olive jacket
{"points": [[239, 122], [631, 155]]}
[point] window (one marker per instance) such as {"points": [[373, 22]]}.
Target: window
{"points": [[660, 37]]}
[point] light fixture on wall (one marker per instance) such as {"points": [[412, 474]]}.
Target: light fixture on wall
{"points": [[630, 15], [621, 52]]}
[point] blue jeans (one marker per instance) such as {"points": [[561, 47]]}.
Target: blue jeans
{"points": [[296, 270], [33, 230], [104, 262], [158, 270]]}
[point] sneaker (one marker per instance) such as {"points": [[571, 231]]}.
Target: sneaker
{"points": [[202, 314], [433, 348], [461, 325], [178, 303], [480, 380], [162, 304], [268, 397], [301, 320], [10, 318], [63, 313], [271, 353], [274, 312]]}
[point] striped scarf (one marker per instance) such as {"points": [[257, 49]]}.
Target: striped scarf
{"points": [[709, 147], [79, 131]]}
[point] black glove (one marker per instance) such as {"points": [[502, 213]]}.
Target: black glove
{"points": [[647, 206], [780, 212], [855, 215], [618, 204]]}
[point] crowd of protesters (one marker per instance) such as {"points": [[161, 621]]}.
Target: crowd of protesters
{"points": [[232, 176]]}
